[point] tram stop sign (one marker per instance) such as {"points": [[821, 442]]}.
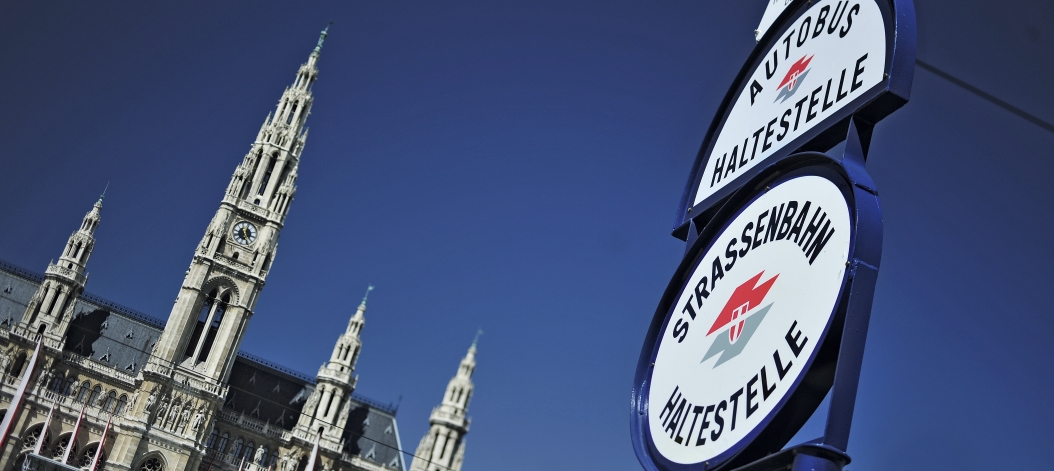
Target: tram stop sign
{"points": [[768, 310]]}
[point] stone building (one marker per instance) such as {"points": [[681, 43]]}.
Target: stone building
{"points": [[80, 374]]}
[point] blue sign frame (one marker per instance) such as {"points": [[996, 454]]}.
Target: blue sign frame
{"points": [[869, 108], [834, 366]]}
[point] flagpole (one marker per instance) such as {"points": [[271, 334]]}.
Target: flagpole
{"points": [[73, 436], [102, 443], [314, 453], [44, 431], [16, 401]]}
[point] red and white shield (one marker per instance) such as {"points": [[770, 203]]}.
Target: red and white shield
{"points": [[740, 314]]}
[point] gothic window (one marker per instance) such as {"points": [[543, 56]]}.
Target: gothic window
{"points": [[274, 459], [56, 383], [152, 464], [83, 393], [222, 446], [94, 395], [267, 175], [121, 403], [71, 386], [111, 401], [88, 455], [292, 113], [20, 362], [60, 447], [214, 326], [203, 317], [236, 449], [29, 440], [249, 450], [212, 439]]}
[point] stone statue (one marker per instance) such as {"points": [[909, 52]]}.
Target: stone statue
{"points": [[199, 418], [312, 401], [184, 418], [5, 362], [150, 401], [161, 409], [284, 464], [135, 397], [259, 458]]}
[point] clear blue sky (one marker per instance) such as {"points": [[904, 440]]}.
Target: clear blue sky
{"points": [[516, 166]]}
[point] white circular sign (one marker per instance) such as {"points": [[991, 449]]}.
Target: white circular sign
{"points": [[749, 320]]}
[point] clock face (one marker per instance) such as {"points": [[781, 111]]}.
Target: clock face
{"points": [[244, 233]]}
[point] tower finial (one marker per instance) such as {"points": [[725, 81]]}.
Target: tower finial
{"points": [[367, 294], [322, 37], [103, 195], [476, 339]]}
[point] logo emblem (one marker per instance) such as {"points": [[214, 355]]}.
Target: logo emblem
{"points": [[793, 79], [742, 317]]}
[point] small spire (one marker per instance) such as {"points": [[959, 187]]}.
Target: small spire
{"points": [[322, 37], [103, 195], [367, 294], [476, 339]]}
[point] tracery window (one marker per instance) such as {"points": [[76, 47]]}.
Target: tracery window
{"points": [[57, 382], [222, 447], [61, 445], [71, 386], [274, 458], [29, 441], [95, 392], [249, 450], [88, 455], [237, 448], [121, 403], [212, 439], [152, 464], [82, 394], [111, 401]]}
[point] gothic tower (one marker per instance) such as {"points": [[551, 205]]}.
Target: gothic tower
{"points": [[51, 308], [231, 263], [328, 407], [443, 447]]}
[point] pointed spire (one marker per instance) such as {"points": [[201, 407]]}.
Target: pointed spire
{"points": [[476, 339], [322, 38], [103, 195], [370, 288]]}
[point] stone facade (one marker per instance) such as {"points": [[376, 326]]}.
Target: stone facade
{"points": [[178, 395]]}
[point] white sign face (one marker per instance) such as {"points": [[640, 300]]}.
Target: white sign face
{"points": [[772, 11], [828, 57], [749, 320]]}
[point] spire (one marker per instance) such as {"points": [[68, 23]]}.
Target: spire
{"points": [[103, 195], [476, 339], [322, 38], [363, 304]]}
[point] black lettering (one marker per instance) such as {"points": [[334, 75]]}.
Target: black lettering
{"points": [[797, 116], [670, 405], [701, 294], [720, 421], [788, 219], [849, 20], [680, 330], [731, 167], [810, 230], [757, 135], [675, 417], [856, 74], [684, 419], [792, 340], [768, 133], [746, 240], [735, 406], [689, 309], [751, 394], [757, 230], [717, 170], [803, 34], [743, 158], [766, 391], [774, 222], [784, 124], [837, 17], [695, 410], [819, 242], [827, 95], [821, 20], [813, 101], [780, 367], [716, 273], [755, 87], [841, 82], [700, 440], [775, 66], [798, 224], [731, 254]]}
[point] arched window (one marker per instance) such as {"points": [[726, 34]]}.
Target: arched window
{"points": [[111, 401], [152, 464], [94, 397], [71, 386], [249, 450], [83, 393], [203, 317], [292, 113], [267, 174], [214, 326], [61, 445], [121, 402], [88, 455], [20, 361], [274, 458], [29, 440], [212, 439], [222, 446], [57, 382], [236, 449]]}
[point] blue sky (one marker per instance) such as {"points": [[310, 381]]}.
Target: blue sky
{"points": [[516, 166]]}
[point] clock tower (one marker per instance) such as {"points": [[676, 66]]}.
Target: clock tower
{"points": [[230, 265]]}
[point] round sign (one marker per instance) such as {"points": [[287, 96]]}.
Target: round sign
{"points": [[744, 319]]}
